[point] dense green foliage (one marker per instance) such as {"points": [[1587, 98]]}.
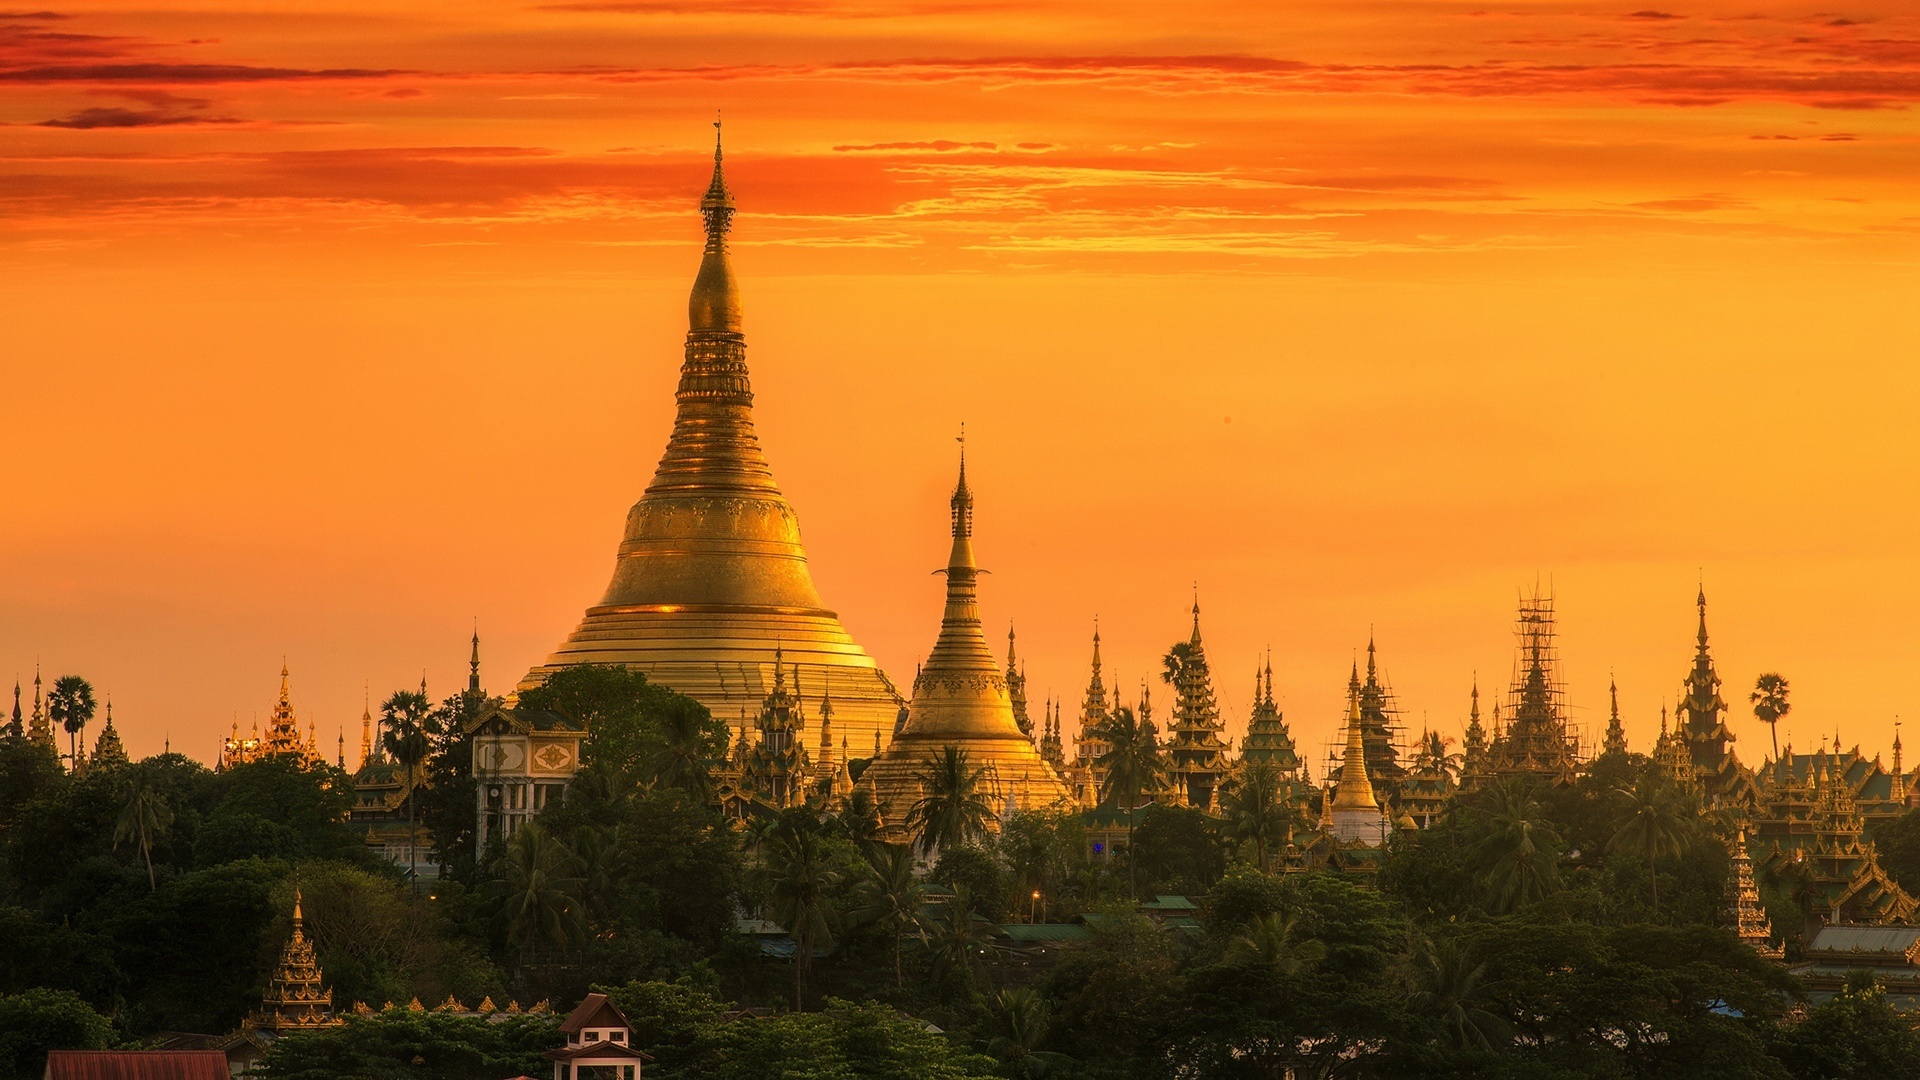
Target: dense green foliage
{"points": [[1532, 931]]}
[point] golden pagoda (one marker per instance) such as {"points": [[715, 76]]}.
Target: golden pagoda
{"points": [[1355, 815], [109, 751], [294, 1000], [40, 730], [960, 699], [711, 578]]}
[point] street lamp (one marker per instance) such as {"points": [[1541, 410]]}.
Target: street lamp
{"points": [[1031, 916]]}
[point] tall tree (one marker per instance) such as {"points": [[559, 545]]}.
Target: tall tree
{"points": [[955, 809], [1134, 766], [143, 819], [1652, 824], [408, 736], [535, 895], [1770, 704], [1276, 941], [800, 877], [957, 942], [1175, 662], [892, 897], [1518, 855], [1020, 1021], [71, 705], [685, 730], [1450, 987], [1255, 809]]}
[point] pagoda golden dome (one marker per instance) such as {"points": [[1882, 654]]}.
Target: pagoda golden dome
{"points": [[961, 699], [711, 579]]}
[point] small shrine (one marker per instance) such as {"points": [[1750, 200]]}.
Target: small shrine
{"points": [[599, 1044], [294, 1000]]}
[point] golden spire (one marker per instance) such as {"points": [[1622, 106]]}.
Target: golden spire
{"points": [[962, 644], [714, 306], [1355, 791]]}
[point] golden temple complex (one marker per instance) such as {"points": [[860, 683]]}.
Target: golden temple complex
{"points": [[711, 578], [961, 699], [282, 736]]}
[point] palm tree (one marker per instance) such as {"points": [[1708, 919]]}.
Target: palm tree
{"points": [[1272, 941], [954, 810], [1133, 766], [680, 761], [1653, 824], [1255, 809], [893, 898], [71, 706], [404, 735], [800, 878], [955, 940], [1770, 704], [1447, 983], [1519, 853], [1020, 1022], [143, 820], [1175, 662], [858, 819], [535, 893]]}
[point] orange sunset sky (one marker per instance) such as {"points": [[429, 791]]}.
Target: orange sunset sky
{"points": [[330, 328]]}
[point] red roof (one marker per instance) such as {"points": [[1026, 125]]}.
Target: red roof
{"points": [[136, 1065], [602, 1049], [595, 1012]]}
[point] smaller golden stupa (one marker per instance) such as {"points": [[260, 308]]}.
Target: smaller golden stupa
{"points": [[1356, 816], [961, 699]]}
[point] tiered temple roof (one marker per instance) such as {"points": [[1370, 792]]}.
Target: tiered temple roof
{"points": [[1616, 738], [1379, 727], [295, 1000], [1812, 830], [1196, 753], [282, 736], [109, 751], [1268, 741], [1700, 718], [1536, 741], [1749, 919]]}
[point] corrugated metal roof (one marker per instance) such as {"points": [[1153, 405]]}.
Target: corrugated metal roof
{"points": [[1045, 931], [1889, 940], [136, 1065]]}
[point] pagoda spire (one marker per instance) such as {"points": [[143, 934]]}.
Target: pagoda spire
{"points": [[16, 728], [294, 999], [1899, 774], [714, 305], [1355, 791], [473, 666], [40, 729], [109, 751], [1616, 738], [1017, 688], [962, 644]]}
